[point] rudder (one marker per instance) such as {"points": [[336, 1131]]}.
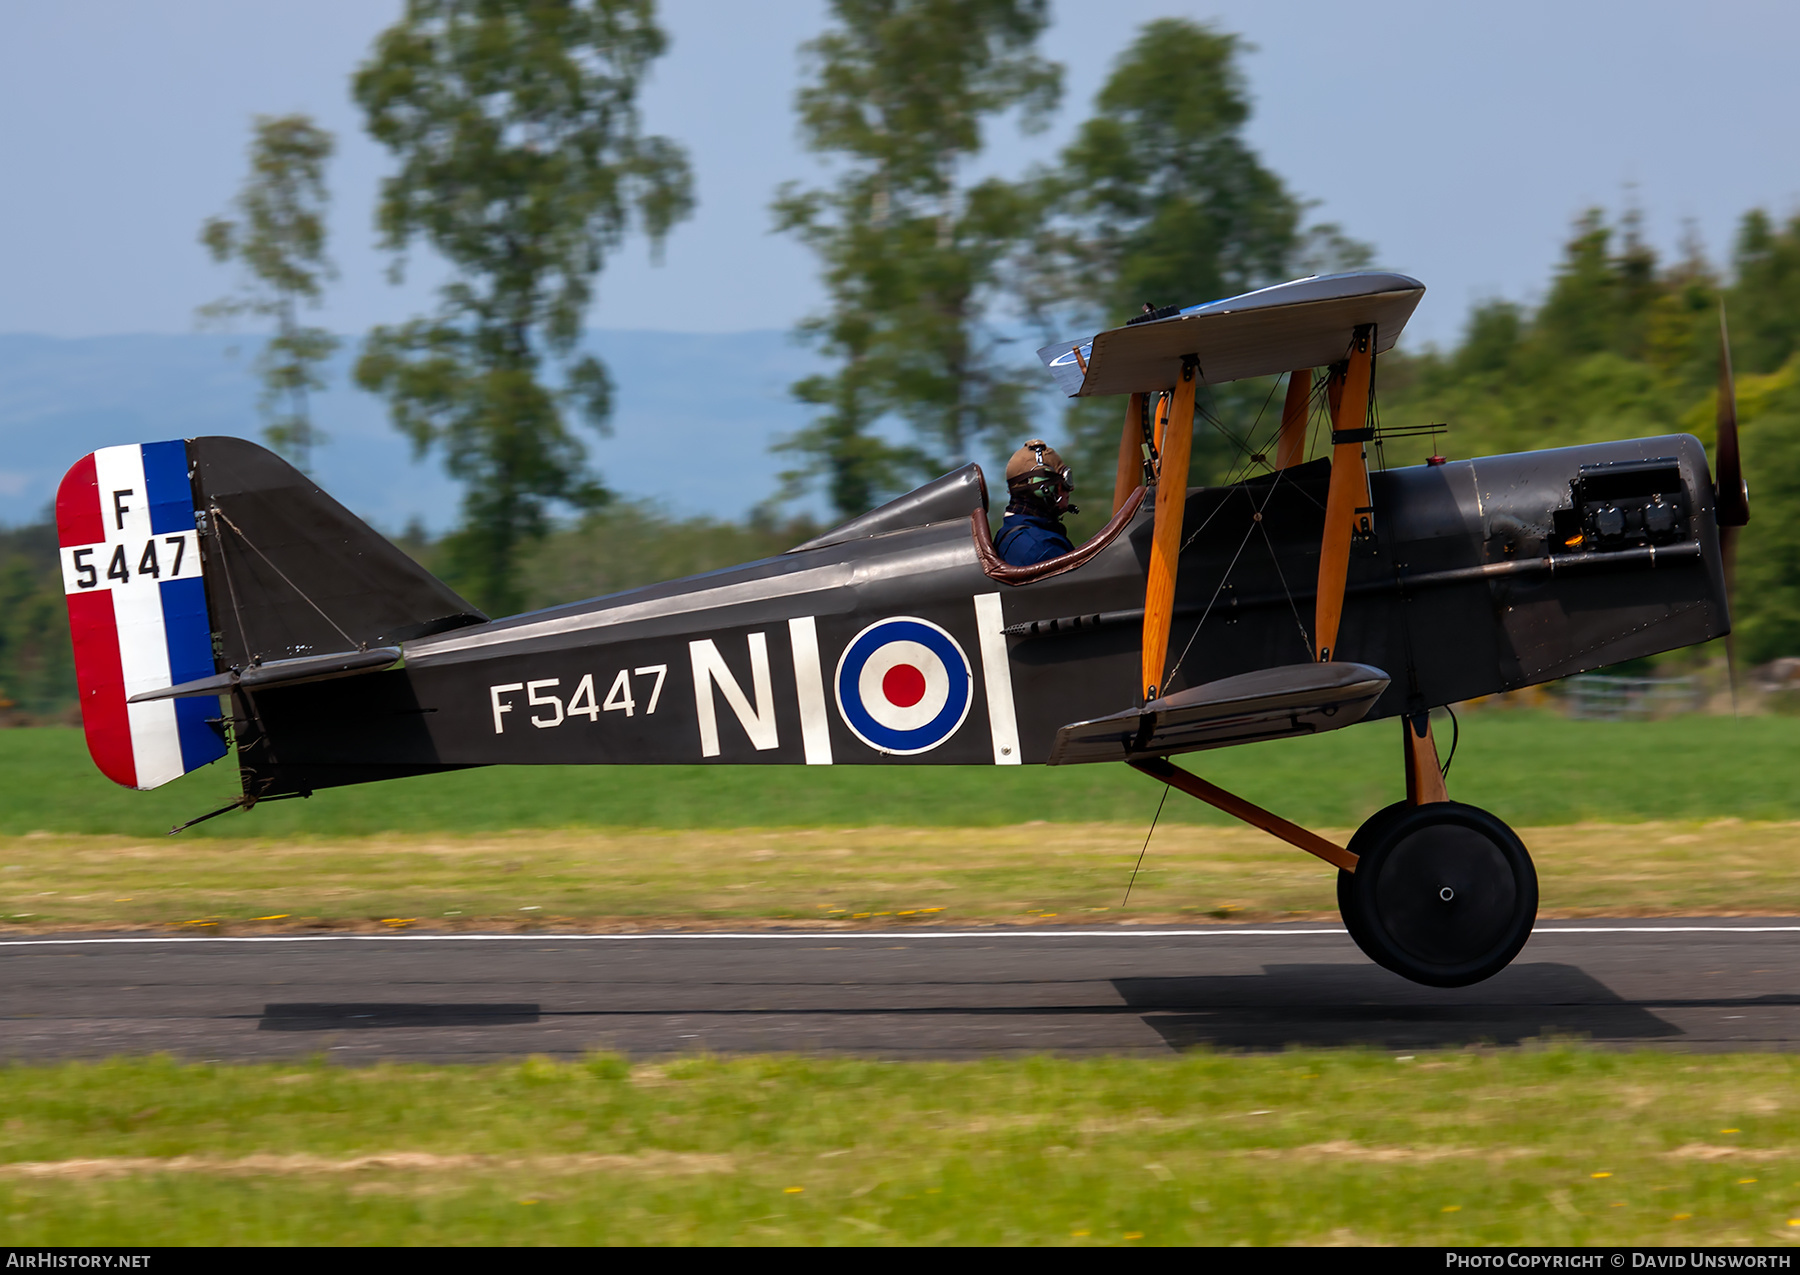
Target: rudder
{"points": [[191, 558], [133, 580]]}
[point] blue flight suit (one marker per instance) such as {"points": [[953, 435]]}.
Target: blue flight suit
{"points": [[1026, 538]]}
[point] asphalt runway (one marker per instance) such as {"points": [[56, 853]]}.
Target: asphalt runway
{"points": [[1693, 985]]}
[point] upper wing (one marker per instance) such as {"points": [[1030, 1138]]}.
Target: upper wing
{"points": [[1306, 323]]}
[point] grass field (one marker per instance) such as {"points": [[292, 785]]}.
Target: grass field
{"points": [[573, 847], [1553, 1145], [1054, 874], [1548, 1146], [1529, 768]]}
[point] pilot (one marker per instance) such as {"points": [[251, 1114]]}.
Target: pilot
{"points": [[1037, 488]]}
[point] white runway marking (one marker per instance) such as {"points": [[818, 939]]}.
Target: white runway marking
{"points": [[1671, 929], [864, 935], [751, 934]]}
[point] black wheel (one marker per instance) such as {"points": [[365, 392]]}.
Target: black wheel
{"points": [[1349, 908], [1443, 894]]}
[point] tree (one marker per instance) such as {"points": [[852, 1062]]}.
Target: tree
{"points": [[279, 240], [1160, 199], [521, 163], [1624, 346], [1766, 603], [37, 669], [1621, 345], [1765, 304], [1601, 298], [913, 258], [856, 467]]}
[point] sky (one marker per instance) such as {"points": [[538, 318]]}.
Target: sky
{"points": [[1461, 140]]}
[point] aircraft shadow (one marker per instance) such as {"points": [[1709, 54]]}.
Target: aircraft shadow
{"points": [[1332, 1005], [318, 1017]]}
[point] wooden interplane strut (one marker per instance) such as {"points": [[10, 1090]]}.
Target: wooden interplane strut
{"points": [[1290, 447], [1347, 510], [1251, 813], [1165, 546], [1130, 475]]}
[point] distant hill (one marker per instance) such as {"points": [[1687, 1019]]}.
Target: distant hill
{"points": [[694, 417]]}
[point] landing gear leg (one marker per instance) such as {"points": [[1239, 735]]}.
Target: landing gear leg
{"points": [[1443, 893], [1438, 892]]}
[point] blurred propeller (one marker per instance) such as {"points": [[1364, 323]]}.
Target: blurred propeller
{"points": [[1731, 495]]}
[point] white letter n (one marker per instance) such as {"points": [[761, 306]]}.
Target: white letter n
{"points": [[757, 720]]}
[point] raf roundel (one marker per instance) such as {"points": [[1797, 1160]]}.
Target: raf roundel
{"points": [[904, 686]]}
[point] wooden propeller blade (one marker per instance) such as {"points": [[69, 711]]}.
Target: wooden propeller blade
{"points": [[1165, 546], [1728, 538], [1290, 448], [1731, 498]]}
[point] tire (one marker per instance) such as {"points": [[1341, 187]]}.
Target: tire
{"points": [[1409, 859], [1367, 836]]}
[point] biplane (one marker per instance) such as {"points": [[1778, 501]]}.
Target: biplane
{"points": [[219, 599]]}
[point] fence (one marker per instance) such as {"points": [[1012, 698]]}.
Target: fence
{"points": [[1599, 697]]}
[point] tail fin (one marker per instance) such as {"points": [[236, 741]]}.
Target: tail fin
{"points": [[186, 559]]}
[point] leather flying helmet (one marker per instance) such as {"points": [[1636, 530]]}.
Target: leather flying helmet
{"points": [[1038, 473]]}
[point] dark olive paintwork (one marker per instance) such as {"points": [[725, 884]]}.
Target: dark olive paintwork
{"points": [[1464, 590]]}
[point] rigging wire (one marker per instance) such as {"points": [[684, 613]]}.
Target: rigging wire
{"points": [[1374, 421], [1223, 580], [230, 584], [1256, 522], [1305, 638], [1318, 399], [1319, 411], [1147, 836], [304, 597], [1245, 452], [1233, 484], [1186, 544], [1205, 414], [1262, 411]]}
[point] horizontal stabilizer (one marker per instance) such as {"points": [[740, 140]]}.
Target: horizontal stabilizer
{"points": [[1273, 703], [262, 677]]}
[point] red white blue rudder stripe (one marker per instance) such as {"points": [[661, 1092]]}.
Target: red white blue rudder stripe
{"points": [[137, 611], [904, 685]]}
